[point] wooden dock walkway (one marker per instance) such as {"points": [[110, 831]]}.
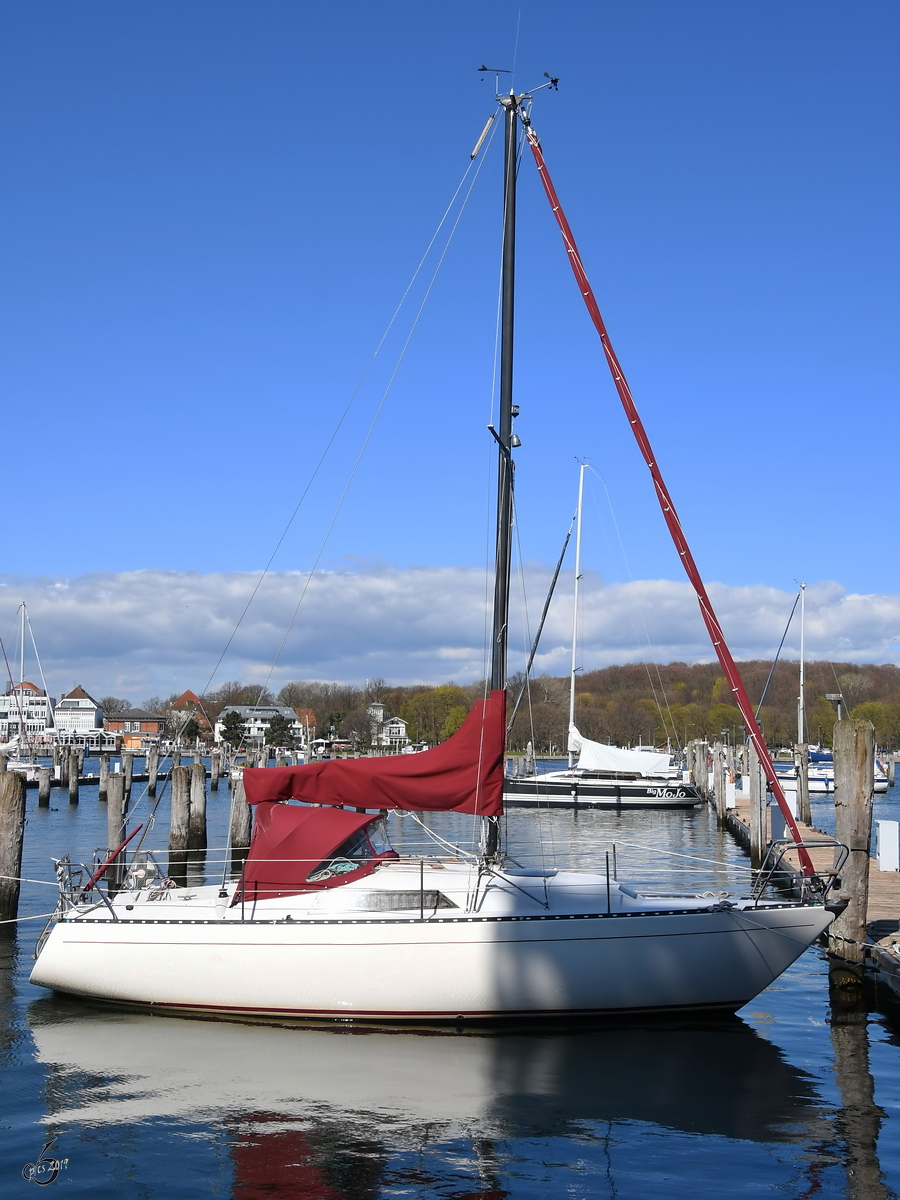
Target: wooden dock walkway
{"points": [[883, 908]]}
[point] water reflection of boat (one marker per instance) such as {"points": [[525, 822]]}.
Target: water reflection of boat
{"points": [[716, 1078]]}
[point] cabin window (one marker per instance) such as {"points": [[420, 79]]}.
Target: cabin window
{"points": [[378, 837], [357, 850]]}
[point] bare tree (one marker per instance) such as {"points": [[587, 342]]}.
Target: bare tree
{"points": [[375, 690], [357, 727]]}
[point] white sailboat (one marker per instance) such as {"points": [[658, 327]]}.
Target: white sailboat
{"points": [[604, 776], [326, 921], [27, 708]]}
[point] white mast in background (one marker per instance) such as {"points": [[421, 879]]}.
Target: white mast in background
{"points": [[801, 703], [575, 612]]}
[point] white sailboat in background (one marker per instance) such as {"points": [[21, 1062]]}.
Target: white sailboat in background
{"points": [[326, 921], [820, 769], [25, 703], [604, 776]]}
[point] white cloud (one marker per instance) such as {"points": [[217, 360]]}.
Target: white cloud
{"points": [[143, 632]]}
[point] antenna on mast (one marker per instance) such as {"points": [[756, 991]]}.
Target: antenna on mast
{"points": [[496, 72]]}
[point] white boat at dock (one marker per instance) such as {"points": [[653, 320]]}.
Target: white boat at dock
{"points": [[325, 921]]}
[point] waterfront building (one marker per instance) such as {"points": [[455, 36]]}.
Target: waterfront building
{"points": [[189, 703], [77, 712], [26, 711], [256, 719], [388, 733], [137, 727]]}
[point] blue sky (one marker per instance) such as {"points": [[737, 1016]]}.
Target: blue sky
{"points": [[211, 211]]}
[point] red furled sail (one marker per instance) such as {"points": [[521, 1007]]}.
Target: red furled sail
{"points": [[668, 508], [463, 774]]}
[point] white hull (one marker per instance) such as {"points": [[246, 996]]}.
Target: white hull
{"points": [[821, 782], [510, 956]]}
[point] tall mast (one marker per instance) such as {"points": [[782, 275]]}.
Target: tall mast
{"points": [[801, 703], [510, 104], [575, 612], [22, 671]]}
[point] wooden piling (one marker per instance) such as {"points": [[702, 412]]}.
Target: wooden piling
{"points": [[197, 833], [719, 777], [854, 788], [63, 764], [214, 770], [152, 770], [176, 759], [128, 771], [73, 777], [179, 829], [240, 818], [103, 786], [801, 758], [757, 810], [12, 833], [4, 760], [44, 787], [116, 816]]}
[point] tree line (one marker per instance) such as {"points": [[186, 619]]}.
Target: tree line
{"points": [[636, 704]]}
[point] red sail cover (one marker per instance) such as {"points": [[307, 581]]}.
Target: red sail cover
{"points": [[463, 774]]}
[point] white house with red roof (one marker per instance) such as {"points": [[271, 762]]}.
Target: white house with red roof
{"points": [[25, 710], [78, 712]]}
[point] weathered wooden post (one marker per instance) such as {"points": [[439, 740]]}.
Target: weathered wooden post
{"points": [[80, 760], [214, 769], [64, 757], [854, 787], [73, 776], [116, 814], [152, 770], [757, 811], [180, 827], [44, 787], [801, 758], [719, 777], [128, 771], [103, 786], [240, 822], [12, 833], [176, 759], [4, 760], [197, 835], [892, 770]]}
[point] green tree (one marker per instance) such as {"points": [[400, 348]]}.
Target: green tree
{"points": [[427, 711], [233, 728], [280, 732], [453, 720], [191, 731]]}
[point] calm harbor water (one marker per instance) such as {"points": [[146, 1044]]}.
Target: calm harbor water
{"points": [[798, 1095]]}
